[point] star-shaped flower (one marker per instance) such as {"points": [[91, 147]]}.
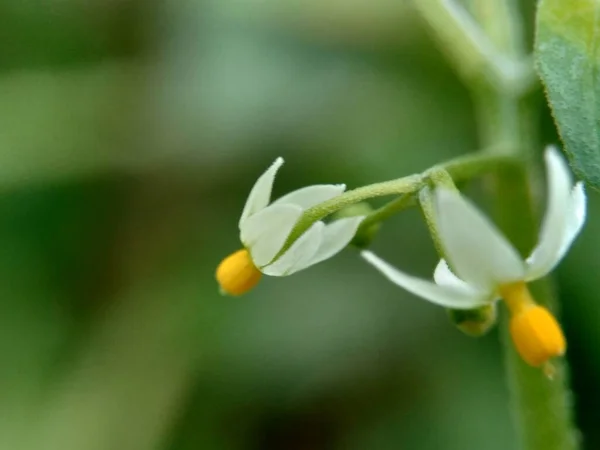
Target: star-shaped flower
{"points": [[488, 267], [265, 227]]}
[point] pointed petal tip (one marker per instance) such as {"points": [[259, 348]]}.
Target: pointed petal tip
{"points": [[447, 296], [556, 162], [579, 189], [260, 194], [551, 148], [552, 151], [579, 198], [442, 274], [564, 217]]}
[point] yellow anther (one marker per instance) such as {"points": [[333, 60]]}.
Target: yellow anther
{"points": [[535, 332], [237, 274], [537, 335]]}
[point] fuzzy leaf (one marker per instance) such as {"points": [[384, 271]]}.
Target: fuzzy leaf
{"points": [[568, 57]]}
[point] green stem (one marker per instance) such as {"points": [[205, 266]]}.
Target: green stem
{"points": [[385, 212], [476, 49], [468, 166], [468, 47], [460, 169], [439, 179], [541, 406]]}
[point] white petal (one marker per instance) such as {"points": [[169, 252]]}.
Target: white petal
{"points": [[299, 255], [311, 195], [265, 232], [447, 296], [555, 224], [574, 220], [444, 277], [477, 250], [336, 237], [260, 194]]}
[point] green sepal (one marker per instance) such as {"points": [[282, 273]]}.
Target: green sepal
{"points": [[474, 322]]}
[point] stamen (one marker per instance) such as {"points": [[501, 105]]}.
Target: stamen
{"points": [[237, 274], [517, 297], [535, 332]]}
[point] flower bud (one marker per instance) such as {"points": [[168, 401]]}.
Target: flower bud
{"points": [[537, 335], [237, 274], [474, 322]]}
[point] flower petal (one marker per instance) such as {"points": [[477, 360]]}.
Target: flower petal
{"points": [[311, 195], [574, 217], [555, 223], [477, 250], [444, 276], [446, 296], [299, 255], [260, 194], [576, 214], [336, 237], [265, 232]]}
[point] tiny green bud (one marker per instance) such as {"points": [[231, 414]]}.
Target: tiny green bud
{"points": [[474, 322], [365, 234]]}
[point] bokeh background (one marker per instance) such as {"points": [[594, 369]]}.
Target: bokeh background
{"points": [[130, 134]]}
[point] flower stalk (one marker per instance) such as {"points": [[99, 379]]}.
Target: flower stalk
{"points": [[541, 405], [459, 169]]}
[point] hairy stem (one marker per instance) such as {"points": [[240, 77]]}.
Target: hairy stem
{"points": [[500, 75], [460, 169], [381, 214], [541, 407]]}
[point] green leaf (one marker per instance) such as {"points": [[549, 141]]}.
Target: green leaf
{"points": [[567, 41]]}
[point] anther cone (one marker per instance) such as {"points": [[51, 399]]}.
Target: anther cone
{"points": [[537, 335], [237, 274]]}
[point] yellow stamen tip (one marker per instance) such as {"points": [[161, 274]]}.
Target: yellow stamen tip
{"points": [[537, 335], [237, 274]]}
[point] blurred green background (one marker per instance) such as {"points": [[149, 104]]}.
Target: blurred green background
{"points": [[130, 134]]}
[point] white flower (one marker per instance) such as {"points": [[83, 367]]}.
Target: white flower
{"points": [[487, 266], [265, 227]]}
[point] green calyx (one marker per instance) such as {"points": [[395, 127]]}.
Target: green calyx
{"points": [[474, 322]]}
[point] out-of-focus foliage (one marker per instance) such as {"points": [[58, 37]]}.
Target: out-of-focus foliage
{"points": [[130, 133], [568, 58]]}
